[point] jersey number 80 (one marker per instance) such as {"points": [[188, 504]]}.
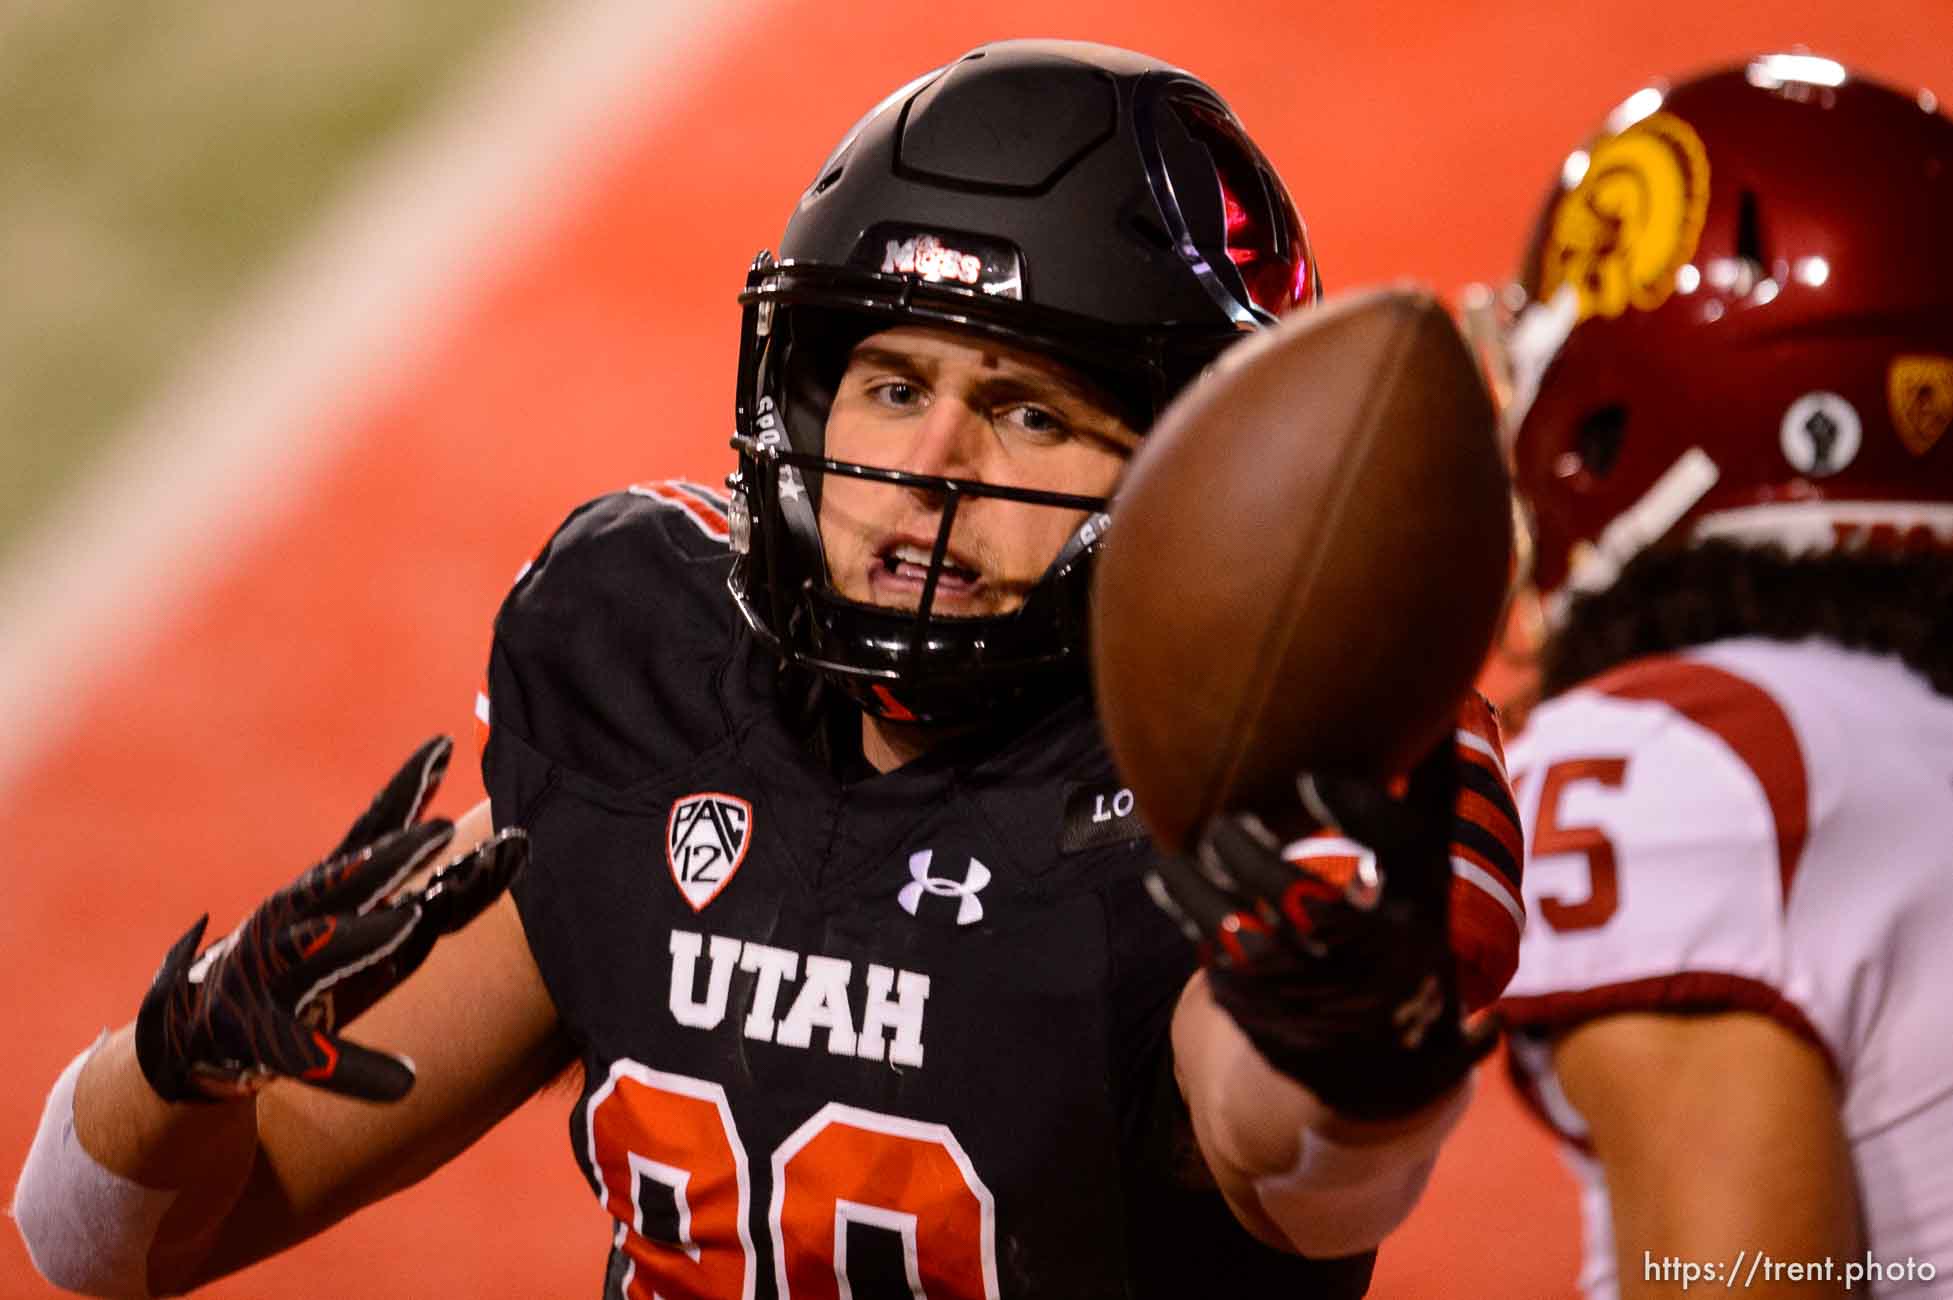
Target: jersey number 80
{"points": [[843, 1165]]}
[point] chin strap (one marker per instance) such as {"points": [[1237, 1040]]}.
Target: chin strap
{"points": [[1595, 566]]}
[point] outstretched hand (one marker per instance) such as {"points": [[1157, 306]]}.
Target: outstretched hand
{"points": [[1333, 954], [269, 1000]]}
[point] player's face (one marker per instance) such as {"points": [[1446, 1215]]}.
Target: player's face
{"points": [[938, 402]]}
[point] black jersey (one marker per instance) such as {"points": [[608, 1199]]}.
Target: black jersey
{"points": [[894, 1035]]}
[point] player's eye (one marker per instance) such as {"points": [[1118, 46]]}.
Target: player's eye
{"points": [[897, 394], [1039, 422]]}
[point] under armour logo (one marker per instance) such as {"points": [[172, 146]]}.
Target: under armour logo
{"points": [[969, 909]]}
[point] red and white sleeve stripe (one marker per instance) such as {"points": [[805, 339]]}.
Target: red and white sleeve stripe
{"points": [[1487, 849]]}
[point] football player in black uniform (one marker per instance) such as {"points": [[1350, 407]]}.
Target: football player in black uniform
{"points": [[832, 891]]}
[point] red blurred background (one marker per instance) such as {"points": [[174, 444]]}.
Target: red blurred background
{"points": [[233, 736]]}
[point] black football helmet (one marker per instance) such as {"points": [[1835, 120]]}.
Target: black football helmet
{"points": [[1082, 202]]}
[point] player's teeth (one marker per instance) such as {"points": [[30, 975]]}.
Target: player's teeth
{"points": [[916, 562]]}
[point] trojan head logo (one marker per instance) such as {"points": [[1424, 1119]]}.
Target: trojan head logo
{"points": [[1632, 221], [1920, 390]]}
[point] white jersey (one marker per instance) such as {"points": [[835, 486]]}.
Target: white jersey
{"points": [[1761, 826]]}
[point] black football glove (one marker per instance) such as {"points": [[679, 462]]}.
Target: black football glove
{"points": [[268, 1000], [1347, 986]]}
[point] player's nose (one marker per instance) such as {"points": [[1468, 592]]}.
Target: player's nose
{"points": [[949, 441]]}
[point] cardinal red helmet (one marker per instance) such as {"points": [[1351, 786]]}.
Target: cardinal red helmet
{"points": [[1735, 318]]}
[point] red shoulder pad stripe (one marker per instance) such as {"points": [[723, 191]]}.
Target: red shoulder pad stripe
{"points": [[1747, 719], [705, 518], [718, 501]]}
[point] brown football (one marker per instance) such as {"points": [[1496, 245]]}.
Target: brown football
{"points": [[1307, 560]]}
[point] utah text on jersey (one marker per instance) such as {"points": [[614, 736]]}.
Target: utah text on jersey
{"points": [[891, 1000]]}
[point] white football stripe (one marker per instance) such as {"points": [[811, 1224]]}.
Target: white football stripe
{"points": [[1473, 741], [1466, 869], [239, 434]]}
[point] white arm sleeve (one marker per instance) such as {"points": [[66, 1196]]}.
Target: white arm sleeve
{"points": [[87, 1228]]}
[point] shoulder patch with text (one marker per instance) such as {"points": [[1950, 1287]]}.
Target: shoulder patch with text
{"points": [[705, 842], [1097, 814]]}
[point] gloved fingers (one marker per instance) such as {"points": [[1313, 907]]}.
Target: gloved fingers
{"points": [[1357, 807], [1227, 928], [1310, 891], [1411, 834], [1239, 854], [353, 1070], [183, 953], [285, 1046], [325, 953], [1163, 899], [360, 880], [464, 888], [404, 798], [334, 1004], [388, 944], [161, 1020]]}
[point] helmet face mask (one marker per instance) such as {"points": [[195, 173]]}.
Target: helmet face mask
{"points": [[1087, 205], [1735, 318], [902, 663]]}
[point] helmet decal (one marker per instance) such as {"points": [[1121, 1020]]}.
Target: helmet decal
{"points": [[1820, 434], [1920, 390], [1620, 235], [1593, 566], [947, 257], [929, 258]]}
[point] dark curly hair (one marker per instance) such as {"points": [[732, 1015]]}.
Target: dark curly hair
{"points": [[1668, 599]]}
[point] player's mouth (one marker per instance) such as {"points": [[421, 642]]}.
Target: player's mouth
{"points": [[901, 569]]}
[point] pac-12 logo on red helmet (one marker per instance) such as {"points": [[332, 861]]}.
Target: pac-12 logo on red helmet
{"points": [[1920, 390]]}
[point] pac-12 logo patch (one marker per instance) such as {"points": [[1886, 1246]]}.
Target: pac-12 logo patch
{"points": [[1921, 393], [705, 841]]}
